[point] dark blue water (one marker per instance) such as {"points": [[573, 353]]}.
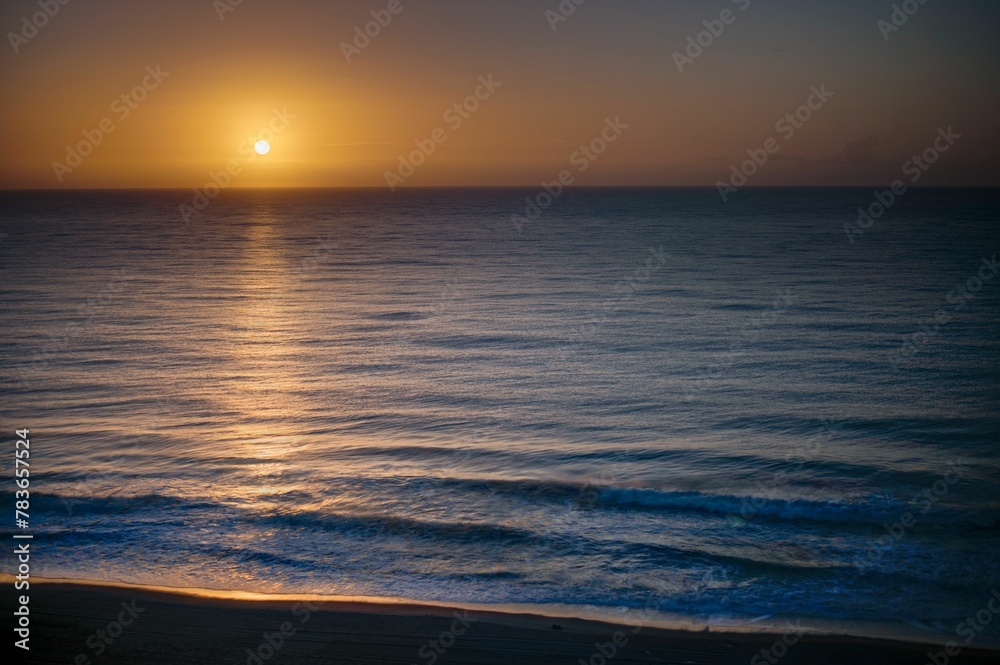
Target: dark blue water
{"points": [[646, 398]]}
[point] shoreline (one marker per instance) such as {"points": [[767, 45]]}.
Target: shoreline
{"points": [[209, 626]]}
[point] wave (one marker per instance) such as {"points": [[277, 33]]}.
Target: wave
{"points": [[861, 510], [869, 509], [929, 430], [400, 316], [749, 506], [383, 525]]}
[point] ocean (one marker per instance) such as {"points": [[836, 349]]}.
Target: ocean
{"points": [[724, 413]]}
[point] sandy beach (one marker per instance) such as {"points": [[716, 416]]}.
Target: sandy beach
{"points": [[85, 623]]}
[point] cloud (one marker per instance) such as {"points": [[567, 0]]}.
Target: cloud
{"points": [[862, 151]]}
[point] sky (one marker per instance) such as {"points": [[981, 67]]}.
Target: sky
{"points": [[214, 76]]}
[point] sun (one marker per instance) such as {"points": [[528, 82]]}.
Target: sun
{"points": [[262, 147]]}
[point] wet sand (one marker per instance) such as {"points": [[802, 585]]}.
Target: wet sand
{"points": [[89, 623]]}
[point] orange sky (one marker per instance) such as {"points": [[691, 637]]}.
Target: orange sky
{"points": [[352, 120]]}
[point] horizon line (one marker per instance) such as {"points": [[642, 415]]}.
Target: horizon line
{"points": [[440, 187]]}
